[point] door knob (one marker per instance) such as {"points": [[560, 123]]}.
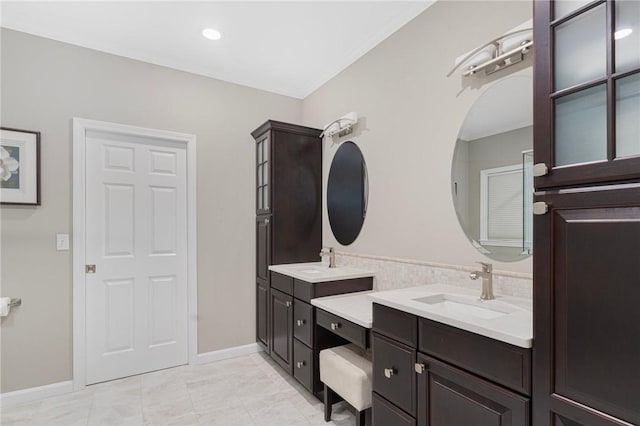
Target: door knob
{"points": [[388, 372], [300, 364], [335, 325], [419, 368], [288, 304], [300, 322]]}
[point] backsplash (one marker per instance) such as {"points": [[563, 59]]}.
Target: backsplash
{"points": [[393, 274]]}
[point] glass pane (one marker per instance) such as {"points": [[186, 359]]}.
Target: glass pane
{"points": [[266, 173], [259, 152], [564, 7], [581, 127], [628, 116], [580, 49], [266, 150], [260, 173], [627, 34], [260, 198], [266, 197]]}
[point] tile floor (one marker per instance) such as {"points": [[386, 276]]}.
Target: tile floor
{"points": [[249, 390]]}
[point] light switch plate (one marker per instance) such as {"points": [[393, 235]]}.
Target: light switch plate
{"points": [[62, 242]]}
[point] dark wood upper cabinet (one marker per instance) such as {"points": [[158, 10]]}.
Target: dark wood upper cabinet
{"points": [[587, 91], [587, 244], [289, 187]]}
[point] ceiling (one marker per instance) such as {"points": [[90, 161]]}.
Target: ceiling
{"points": [[291, 48]]}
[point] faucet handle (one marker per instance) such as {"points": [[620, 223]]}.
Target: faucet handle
{"points": [[486, 267]]}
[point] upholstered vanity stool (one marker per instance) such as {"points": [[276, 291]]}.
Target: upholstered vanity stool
{"points": [[347, 371]]}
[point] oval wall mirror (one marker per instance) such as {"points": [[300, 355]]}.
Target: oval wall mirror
{"points": [[347, 193], [491, 173]]}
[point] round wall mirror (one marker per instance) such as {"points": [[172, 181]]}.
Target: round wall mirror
{"points": [[491, 173], [347, 193]]}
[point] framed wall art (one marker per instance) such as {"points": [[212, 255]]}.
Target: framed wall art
{"points": [[19, 167]]}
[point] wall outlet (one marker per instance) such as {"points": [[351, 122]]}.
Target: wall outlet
{"points": [[62, 242]]}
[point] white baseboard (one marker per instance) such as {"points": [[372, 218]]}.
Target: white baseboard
{"points": [[234, 352], [32, 394]]}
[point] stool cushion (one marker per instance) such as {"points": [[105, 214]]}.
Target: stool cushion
{"points": [[347, 370]]}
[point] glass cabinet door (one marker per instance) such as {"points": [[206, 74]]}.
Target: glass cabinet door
{"points": [[262, 175], [587, 102]]}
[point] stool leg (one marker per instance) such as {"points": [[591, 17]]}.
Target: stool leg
{"points": [[328, 402], [360, 417]]}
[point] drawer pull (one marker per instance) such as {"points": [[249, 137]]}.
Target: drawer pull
{"points": [[300, 364], [419, 368], [335, 325], [301, 322], [388, 372]]}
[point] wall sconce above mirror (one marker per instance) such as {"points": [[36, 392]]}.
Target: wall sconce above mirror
{"points": [[497, 54], [347, 193], [491, 173]]}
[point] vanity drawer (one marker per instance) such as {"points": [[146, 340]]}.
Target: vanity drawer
{"points": [[282, 283], [352, 332], [303, 322], [394, 372], [303, 364], [385, 413], [497, 361], [396, 324]]}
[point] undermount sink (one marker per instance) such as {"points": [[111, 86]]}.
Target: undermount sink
{"points": [[309, 271], [453, 305]]}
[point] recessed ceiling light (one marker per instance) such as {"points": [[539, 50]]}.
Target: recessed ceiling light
{"points": [[622, 33], [211, 34]]}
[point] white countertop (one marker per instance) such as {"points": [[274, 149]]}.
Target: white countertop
{"points": [[318, 272], [515, 327], [354, 307]]}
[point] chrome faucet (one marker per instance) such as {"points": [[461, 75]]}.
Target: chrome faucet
{"points": [[487, 280], [331, 252]]}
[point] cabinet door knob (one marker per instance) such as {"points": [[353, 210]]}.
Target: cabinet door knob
{"points": [[419, 368], [301, 322], [388, 372], [335, 325], [288, 304], [300, 364], [266, 221]]}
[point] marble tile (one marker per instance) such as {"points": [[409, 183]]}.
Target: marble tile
{"points": [[394, 274], [248, 391], [20, 414]]}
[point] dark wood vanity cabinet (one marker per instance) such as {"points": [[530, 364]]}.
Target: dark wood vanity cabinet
{"points": [[282, 329], [430, 374], [288, 208], [587, 243], [296, 339]]}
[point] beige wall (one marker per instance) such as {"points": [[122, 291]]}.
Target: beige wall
{"points": [[44, 85], [412, 115]]}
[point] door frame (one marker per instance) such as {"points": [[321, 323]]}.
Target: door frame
{"points": [[80, 128]]}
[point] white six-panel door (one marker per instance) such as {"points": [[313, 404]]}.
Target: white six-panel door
{"points": [[136, 236]]}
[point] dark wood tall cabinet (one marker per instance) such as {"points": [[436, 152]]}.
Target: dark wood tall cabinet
{"points": [[587, 223], [288, 216]]}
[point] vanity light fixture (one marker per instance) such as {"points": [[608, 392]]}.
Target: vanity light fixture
{"points": [[499, 53], [622, 33], [341, 126], [211, 34]]}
